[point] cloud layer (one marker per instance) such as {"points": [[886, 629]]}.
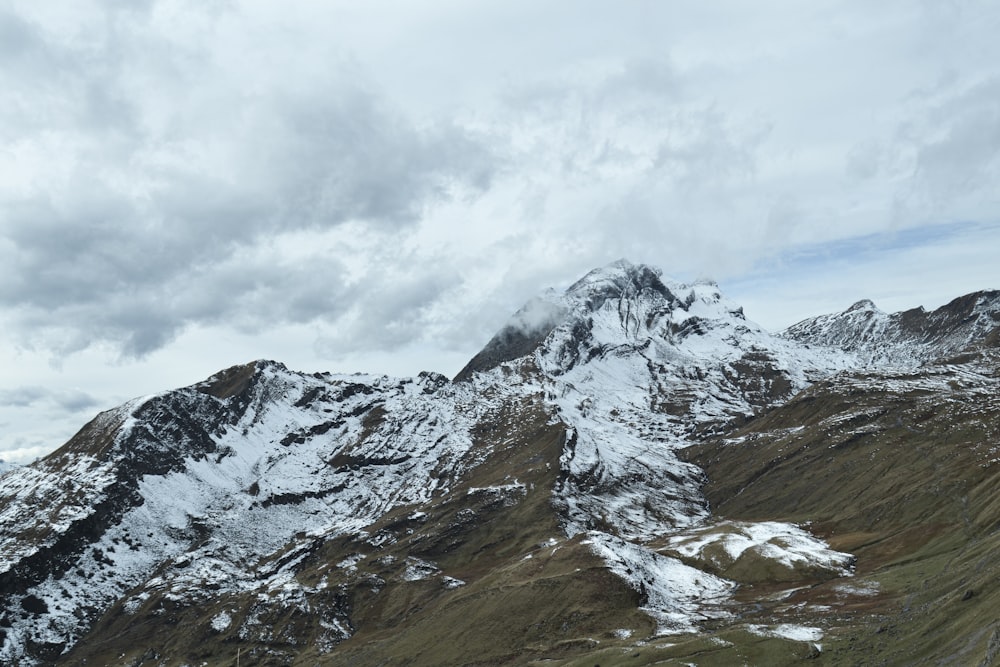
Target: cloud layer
{"points": [[149, 192], [380, 179]]}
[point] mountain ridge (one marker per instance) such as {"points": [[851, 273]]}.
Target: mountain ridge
{"points": [[908, 337], [559, 444]]}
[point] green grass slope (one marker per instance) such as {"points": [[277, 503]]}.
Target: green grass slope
{"points": [[903, 472]]}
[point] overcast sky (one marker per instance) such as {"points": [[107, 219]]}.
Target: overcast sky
{"points": [[348, 186]]}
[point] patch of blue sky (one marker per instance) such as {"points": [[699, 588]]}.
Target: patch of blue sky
{"points": [[897, 269], [871, 247]]}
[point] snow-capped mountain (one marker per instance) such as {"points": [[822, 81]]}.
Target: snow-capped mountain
{"points": [[310, 517], [636, 366], [221, 476], [908, 338]]}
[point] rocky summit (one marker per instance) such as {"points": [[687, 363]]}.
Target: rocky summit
{"points": [[629, 473]]}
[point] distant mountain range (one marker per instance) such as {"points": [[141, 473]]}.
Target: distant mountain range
{"points": [[630, 472]]}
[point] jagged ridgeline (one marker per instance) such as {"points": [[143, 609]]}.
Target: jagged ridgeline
{"points": [[629, 473]]}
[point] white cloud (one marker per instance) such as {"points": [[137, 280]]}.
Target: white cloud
{"points": [[377, 183]]}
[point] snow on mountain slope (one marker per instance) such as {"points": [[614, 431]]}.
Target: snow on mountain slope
{"points": [[723, 545], [639, 366], [636, 368], [907, 338], [213, 485], [224, 486], [677, 596]]}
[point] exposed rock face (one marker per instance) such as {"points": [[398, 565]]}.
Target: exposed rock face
{"points": [[520, 337], [907, 338], [537, 502], [220, 476]]}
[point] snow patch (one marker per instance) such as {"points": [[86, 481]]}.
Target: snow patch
{"points": [[221, 621], [351, 562], [798, 633], [417, 569], [858, 588], [675, 595], [785, 543]]}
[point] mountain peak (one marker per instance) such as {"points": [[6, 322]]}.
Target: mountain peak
{"points": [[623, 305], [620, 270], [863, 305], [532, 323], [906, 338], [620, 278]]}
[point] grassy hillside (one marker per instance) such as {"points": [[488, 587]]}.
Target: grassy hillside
{"points": [[902, 472]]}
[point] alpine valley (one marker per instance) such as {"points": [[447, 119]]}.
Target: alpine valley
{"points": [[629, 473]]}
